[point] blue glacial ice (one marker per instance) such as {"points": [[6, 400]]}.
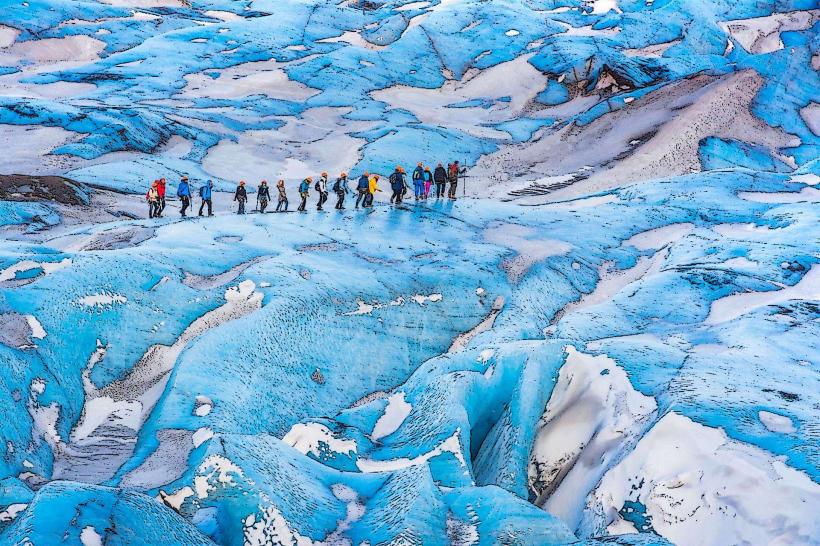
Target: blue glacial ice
{"points": [[615, 339]]}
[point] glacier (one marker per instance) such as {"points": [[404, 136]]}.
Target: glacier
{"points": [[612, 339]]}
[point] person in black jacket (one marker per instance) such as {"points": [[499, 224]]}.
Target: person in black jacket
{"points": [[241, 195], [341, 188], [440, 178], [362, 187], [263, 196], [398, 186]]}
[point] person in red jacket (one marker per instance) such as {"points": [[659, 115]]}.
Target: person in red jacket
{"points": [[160, 197]]}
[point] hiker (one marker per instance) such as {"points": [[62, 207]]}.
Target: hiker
{"points": [[453, 172], [397, 185], [304, 188], [362, 187], [263, 196], [440, 178], [321, 187], [341, 189], [428, 181], [152, 196], [161, 198], [372, 188], [418, 182], [283, 197], [184, 194], [205, 192], [241, 195]]}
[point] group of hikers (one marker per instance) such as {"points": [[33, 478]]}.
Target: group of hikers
{"points": [[367, 185]]}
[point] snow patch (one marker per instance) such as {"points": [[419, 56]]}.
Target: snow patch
{"points": [[735, 305], [451, 445], [310, 437], [654, 239], [592, 415], [101, 300], [90, 537], [11, 512], [698, 486], [776, 423], [394, 415], [201, 436]]}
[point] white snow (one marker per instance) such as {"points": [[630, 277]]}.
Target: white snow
{"points": [[201, 436], [102, 299], [583, 203], [776, 423], [762, 34], [105, 409], [363, 309], [701, 487], [11, 512], [45, 417], [26, 265], [516, 78], [240, 292], [421, 299], [810, 195], [394, 415], [255, 78], [732, 306], [8, 35], [740, 230], [176, 499], [512, 32], [37, 330], [215, 470], [308, 437], [529, 248], [462, 340], [203, 406], [604, 6], [272, 528], [90, 537], [654, 239], [810, 179], [591, 416], [451, 444]]}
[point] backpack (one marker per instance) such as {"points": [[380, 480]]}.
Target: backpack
{"points": [[202, 191], [363, 183], [317, 187], [337, 185]]}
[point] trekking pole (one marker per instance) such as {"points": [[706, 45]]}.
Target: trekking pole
{"points": [[464, 179]]}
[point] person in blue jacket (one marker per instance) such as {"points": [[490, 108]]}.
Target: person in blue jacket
{"points": [[362, 187], [418, 182], [205, 192], [304, 190], [397, 185], [184, 194]]}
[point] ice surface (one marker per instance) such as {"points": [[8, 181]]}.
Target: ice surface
{"points": [[616, 343]]}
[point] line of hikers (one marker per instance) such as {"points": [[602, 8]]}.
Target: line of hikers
{"points": [[367, 186]]}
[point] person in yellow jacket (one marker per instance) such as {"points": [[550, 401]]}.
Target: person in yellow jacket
{"points": [[372, 188]]}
